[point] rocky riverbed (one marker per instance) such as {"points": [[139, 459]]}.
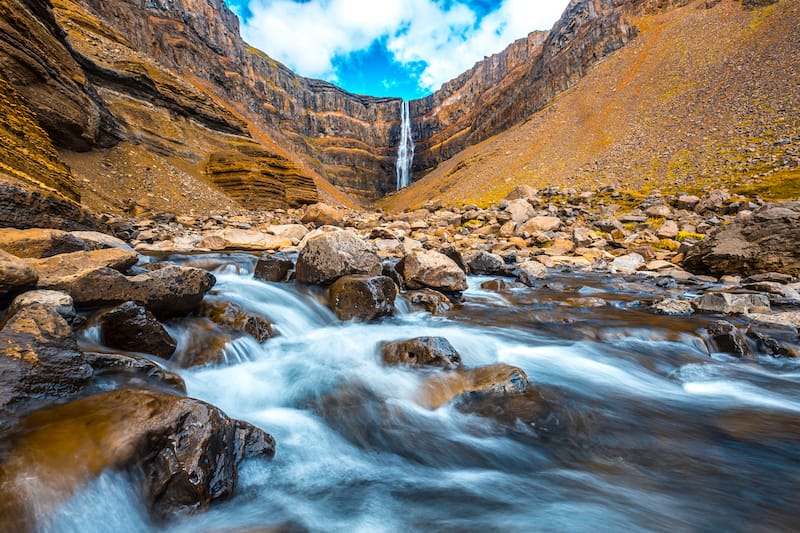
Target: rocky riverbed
{"points": [[563, 358]]}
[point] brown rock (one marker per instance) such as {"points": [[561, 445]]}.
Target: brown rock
{"points": [[38, 243], [236, 319], [322, 215], [329, 256], [481, 262], [59, 301], [240, 239], [53, 270], [15, 274], [429, 269], [273, 268], [40, 360], [188, 451], [131, 370], [530, 271], [766, 241], [362, 297], [421, 352], [166, 292], [725, 337], [133, 328], [432, 301], [499, 379], [539, 223]]}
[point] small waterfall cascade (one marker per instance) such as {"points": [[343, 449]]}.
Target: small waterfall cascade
{"points": [[405, 152]]}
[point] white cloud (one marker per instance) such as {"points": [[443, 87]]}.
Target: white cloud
{"points": [[308, 35]]}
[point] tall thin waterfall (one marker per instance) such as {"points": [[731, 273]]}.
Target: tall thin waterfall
{"points": [[405, 153]]}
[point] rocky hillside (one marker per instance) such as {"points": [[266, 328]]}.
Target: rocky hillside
{"points": [[705, 95]]}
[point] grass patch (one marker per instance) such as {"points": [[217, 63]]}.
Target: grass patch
{"points": [[689, 235]]}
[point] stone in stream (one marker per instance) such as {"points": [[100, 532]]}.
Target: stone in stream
{"points": [[166, 292], [273, 268], [15, 274], [628, 263], [59, 301], [39, 359], [52, 270], [131, 370], [766, 241], [240, 239], [132, 328], [428, 269], [186, 451], [530, 271], [329, 256], [674, 307], [731, 303], [236, 319], [421, 352], [725, 337], [362, 298], [482, 262], [495, 380], [39, 243], [430, 300]]}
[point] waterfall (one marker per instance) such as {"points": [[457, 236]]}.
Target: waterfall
{"points": [[405, 152]]}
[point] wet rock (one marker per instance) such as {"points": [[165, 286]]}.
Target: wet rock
{"points": [[53, 270], [498, 379], [786, 319], [432, 301], [131, 370], [59, 301], [239, 239], [39, 360], [421, 352], [731, 303], [362, 298], [496, 285], [166, 292], [674, 307], [236, 319], [205, 343], [38, 243], [323, 215], [725, 337], [482, 262], [132, 328], [539, 223], [273, 268], [187, 451], [328, 256], [628, 263], [429, 269], [530, 271], [15, 274], [776, 340], [766, 241]]}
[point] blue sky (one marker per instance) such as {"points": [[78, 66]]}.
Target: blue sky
{"points": [[404, 48]]}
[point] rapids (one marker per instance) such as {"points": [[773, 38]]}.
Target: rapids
{"points": [[651, 433]]}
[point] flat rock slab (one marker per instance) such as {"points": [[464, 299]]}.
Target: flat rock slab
{"points": [[38, 243], [53, 269], [15, 274]]}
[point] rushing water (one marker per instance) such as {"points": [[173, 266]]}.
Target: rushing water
{"points": [[652, 433], [405, 151]]}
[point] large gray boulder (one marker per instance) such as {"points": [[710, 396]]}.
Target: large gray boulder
{"points": [[766, 241], [329, 256]]}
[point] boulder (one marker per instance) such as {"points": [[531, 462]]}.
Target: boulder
{"points": [[328, 256], [54, 269], [674, 307], [234, 318], [322, 215], [481, 262], [667, 230], [766, 241], [539, 223], [519, 209], [498, 379], [38, 243], [725, 337], [530, 271], [240, 239], [15, 274], [59, 301], [421, 352], [205, 343], [98, 240], [628, 263], [289, 231], [731, 303], [131, 370], [273, 268], [185, 451], [132, 328], [166, 292], [429, 269], [39, 360], [522, 191], [432, 301], [362, 297], [790, 319]]}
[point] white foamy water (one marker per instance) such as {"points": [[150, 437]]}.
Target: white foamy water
{"points": [[405, 150]]}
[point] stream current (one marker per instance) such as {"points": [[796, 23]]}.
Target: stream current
{"points": [[649, 433]]}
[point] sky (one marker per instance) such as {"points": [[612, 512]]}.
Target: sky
{"points": [[401, 48]]}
